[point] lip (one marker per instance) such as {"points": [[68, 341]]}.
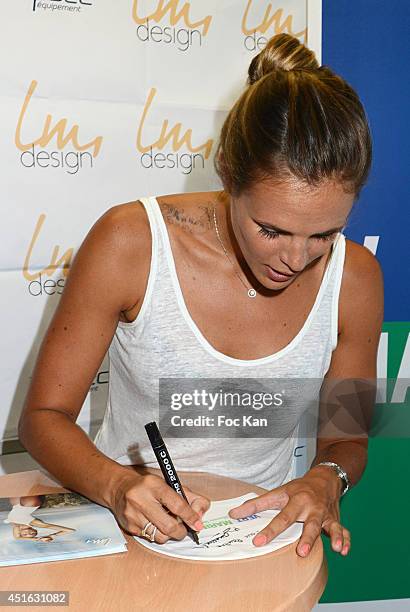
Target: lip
{"points": [[277, 276]]}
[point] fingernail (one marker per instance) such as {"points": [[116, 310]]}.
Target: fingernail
{"points": [[345, 550], [305, 549], [260, 540], [338, 544], [198, 525]]}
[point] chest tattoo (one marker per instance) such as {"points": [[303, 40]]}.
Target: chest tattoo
{"points": [[186, 221]]}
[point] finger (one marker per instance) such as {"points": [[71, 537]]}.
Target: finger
{"points": [[135, 520], [311, 531], [339, 536], [178, 506], [135, 525], [199, 503], [159, 516], [335, 532], [280, 523], [169, 524], [346, 542], [159, 538], [275, 499]]}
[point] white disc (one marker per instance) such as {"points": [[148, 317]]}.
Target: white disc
{"points": [[251, 293]]}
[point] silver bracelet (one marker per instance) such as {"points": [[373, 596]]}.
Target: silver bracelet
{"points": [[340, 472]]}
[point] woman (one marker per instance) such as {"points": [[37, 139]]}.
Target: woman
{"points": [[253, 281], [23, 521]]}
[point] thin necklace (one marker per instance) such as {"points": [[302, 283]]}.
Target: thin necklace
{"points": [[251, 291]]}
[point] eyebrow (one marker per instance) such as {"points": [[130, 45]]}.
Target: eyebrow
{"points": [[286, 233]]}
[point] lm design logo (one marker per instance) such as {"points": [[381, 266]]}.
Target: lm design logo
{"points": [[255, 26], [71, 154], [39, 278], [177, 137], [181, 31]]}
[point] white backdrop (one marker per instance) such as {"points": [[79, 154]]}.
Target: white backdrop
{"points": [[102, 102]]}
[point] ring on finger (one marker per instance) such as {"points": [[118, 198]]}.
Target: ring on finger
{"points": [[144, 531], [152, 534]]}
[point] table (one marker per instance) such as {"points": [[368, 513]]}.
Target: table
{"points": [[141, 579]]}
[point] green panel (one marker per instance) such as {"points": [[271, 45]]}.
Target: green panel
{"points": [[377, 511]]}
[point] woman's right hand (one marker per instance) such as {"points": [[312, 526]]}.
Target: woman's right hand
{"points": [[138, 499]]}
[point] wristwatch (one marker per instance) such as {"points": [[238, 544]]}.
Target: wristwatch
{"points": [[340, 472]]}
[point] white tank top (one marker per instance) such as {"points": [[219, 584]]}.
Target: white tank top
{"points": [[163, 341]]}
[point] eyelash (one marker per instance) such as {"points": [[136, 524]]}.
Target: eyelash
{"points": [[270, 234]]}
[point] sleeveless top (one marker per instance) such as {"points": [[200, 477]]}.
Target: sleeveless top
{"points": [[21, 514], [163, 341]]}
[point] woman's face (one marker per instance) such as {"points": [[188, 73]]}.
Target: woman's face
{"points": [[286, 226]]}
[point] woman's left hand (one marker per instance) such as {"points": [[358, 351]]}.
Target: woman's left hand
{"points": [[313, 499]]}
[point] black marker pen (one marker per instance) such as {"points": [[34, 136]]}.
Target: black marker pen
{"points": [[167, 467]]}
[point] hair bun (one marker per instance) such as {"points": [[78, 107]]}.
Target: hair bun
{"points": [[282, 52]]}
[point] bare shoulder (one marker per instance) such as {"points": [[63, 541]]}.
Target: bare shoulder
{"points": [[126, 227], [361, 268], [117, 253], [361, 293]]}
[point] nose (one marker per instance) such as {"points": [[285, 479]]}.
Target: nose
{"points": [[295, 257]]}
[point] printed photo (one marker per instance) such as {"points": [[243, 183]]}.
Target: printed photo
{"points": [[49, 527]]}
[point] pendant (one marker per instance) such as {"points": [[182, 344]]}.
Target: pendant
{"points": [[251, 293]]}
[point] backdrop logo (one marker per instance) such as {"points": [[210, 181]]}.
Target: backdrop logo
{"points": [[371, 243], [177, 138], [391, 415], [39, 278], [277, 21], [61, 6], [182, 31], [70, 154]]}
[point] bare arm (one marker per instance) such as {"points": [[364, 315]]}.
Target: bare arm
{"points": [[344, 418], [113, 258], [108, 277], [349, 389], [39, 523]]}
